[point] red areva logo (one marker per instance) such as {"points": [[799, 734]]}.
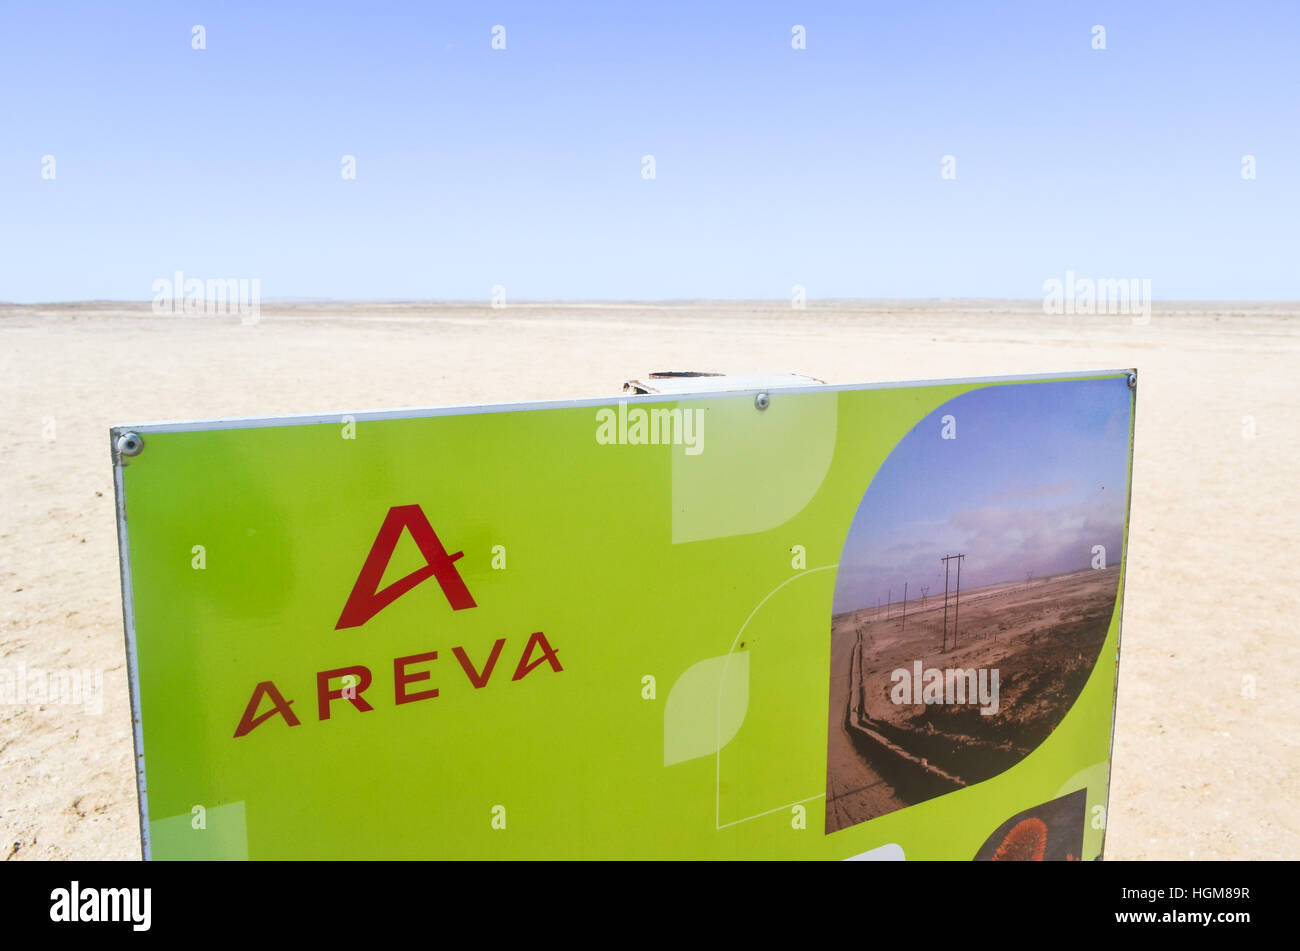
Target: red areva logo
{"points": [[367, 600]]}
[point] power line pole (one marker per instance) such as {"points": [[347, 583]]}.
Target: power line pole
{"points": [[956, 602], [945, 604], [956, 610], [924, 590], [904, 607]]}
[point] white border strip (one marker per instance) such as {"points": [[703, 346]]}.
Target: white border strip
{"points": [[132, 661], [1119, 623], [312, 419]]}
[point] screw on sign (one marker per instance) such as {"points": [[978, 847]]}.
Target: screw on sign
{"points": [[130, 444]]}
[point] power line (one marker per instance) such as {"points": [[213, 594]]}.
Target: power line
{"points": [[956, 599]]}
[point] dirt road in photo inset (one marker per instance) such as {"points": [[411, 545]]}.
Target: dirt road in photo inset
{"points": [[855, 791], [1042, 636]]}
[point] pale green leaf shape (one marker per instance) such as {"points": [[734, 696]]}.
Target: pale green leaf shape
{"points": [[225, 835], [1095, 780], [753, 470], [706, 707]]}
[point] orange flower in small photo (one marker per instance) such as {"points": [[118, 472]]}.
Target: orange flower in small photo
{"points": [[1026, 842]]}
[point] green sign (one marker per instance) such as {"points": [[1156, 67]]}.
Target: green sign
{"points": [[825, 622]]}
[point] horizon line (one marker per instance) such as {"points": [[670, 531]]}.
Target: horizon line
{"points": [[599, 301]]}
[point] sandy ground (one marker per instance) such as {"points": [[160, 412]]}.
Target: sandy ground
{"points": [[1043, 637], [1038, 630], [1207, 747]]}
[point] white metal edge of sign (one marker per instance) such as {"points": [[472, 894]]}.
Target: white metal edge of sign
{"points": [[310, 419], [132, 660]]}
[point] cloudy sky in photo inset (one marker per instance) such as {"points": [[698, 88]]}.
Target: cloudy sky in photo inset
{"points": [[1036, 477]]}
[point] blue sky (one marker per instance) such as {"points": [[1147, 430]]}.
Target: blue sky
{"points": [[774, 167], [1036, 476]]}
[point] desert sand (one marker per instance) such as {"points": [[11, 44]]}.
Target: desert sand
{"points": [[1207, 750]]}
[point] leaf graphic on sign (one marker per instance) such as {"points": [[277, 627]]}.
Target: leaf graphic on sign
{"points": [[706, 707]]}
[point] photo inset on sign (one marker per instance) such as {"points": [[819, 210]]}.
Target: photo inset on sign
{"points": [[975, 589], [1052, 832]]}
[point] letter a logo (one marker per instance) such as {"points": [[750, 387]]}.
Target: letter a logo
{"points": [[366, 600]]}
